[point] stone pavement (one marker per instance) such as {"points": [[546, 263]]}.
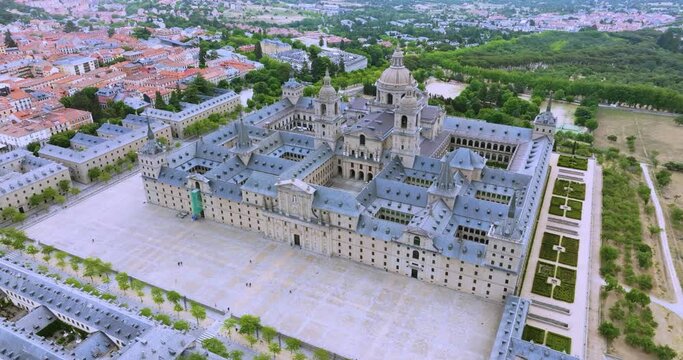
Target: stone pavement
{"points": [[348, 308]]}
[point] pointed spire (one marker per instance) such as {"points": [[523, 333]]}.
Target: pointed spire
{"points": [[513, 206], [445, 180], [243, 140], [550, 102], [327, 80], [150, 133]]}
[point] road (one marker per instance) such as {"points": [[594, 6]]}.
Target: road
{"points": [[677, 305]]}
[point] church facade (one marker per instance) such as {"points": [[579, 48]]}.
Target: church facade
{"points": [[390, 182]]}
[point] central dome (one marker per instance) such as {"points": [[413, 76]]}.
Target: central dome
{"points": [[396, 74]]}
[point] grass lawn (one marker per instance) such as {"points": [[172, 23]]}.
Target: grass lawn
{"points": [[532, 333], [555, 203], [570, 256], [573, 162], [558, 342], [547, 251], [571, 189], [575, 211], [540, 285]]}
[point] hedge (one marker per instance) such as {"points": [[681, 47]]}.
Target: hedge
{"points": [[564, 292], [532, 333], [578, 190], [547, 251], [575, 212], [570, 256], [541, 287], [573, 162], [555, 203], [558, 342]]}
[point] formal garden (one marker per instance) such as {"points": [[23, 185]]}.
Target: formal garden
{"points": [[573, 162], [561, 249], [547, 338], [570, 189], [565, 207], [554, 281]]}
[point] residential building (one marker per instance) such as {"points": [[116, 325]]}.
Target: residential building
{"points": [[76, 65], [274, 46], [112, 143], [22, 175], [223, 102]]}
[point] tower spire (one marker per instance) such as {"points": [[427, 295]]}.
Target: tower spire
{"points": [[445, 180], [150, 133], [243, 140], [397, 57], [550, 102]]}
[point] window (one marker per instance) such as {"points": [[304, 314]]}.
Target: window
{"points": [[416, 241], [416, 254], [362, 139], [404, 122]]}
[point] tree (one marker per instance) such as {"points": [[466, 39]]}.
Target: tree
{"points": [[229, 324], [173, 296], [96, 267], [141, 33], [268, 333], [36, 200], [202, 56], [299, 356], [139, 288], [159, 102], [9, 42], [123, 280], [181, 325], [663, 177], [342, 65], [258, 52], [94, 173], [111, 31], [177, 308], [236, 355], [32, 250], [274, 348], [74, 262], [251, 339], [64, 186], [158, 297], [321, 354], [214, 345], [33, 147], [70, 27], [292, 344], [61, 259], [47, 251], [609, 331], [9, 213], [198, 312], [678, 120], [249, 324]]}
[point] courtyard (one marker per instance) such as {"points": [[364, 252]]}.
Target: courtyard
{"points": [[351, 309]]}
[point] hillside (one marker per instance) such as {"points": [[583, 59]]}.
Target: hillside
{"points": [[629, 57]]}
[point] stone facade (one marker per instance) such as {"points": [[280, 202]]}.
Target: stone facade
{"points": [[449, 201]]}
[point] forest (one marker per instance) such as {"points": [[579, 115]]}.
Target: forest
{"points": [[629, 67]]}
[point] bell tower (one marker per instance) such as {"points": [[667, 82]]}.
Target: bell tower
{"points": [[406, 132]]}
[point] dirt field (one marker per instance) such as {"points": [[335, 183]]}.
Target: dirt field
{"points": [[669, 332], [653, 132]]}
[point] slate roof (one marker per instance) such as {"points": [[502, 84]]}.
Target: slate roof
{"points": [[509, 345], [190, 110], [35, 169]]}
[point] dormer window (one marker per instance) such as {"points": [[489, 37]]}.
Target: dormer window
{"points": [[416, 241]]}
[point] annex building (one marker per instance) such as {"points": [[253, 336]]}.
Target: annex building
{"points": [[390, 182]]}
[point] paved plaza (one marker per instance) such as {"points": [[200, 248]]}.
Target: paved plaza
{"points": [[351, 309]]}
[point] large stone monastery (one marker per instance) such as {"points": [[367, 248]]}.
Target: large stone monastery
{"points": [[390, 182]]}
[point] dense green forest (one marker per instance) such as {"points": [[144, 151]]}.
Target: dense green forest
{"points": [[628, 67], [588, 55]]}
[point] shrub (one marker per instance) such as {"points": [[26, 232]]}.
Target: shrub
{"points": [[532, 333], [572, 162], [558, 342], [146, 312], [181, 325]]}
